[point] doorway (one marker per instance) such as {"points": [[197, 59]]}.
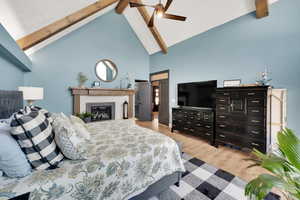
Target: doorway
{"points": [[160, 96]]}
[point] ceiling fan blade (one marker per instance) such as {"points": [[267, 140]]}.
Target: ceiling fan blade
{"points": [[134, 5], [151, 21], [174, 17], [168, 4]]}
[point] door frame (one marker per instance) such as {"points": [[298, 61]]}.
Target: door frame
{"points": [[163, 72]]}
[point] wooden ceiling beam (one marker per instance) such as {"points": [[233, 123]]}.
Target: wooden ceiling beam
{"points": [[62, 24], [262, 8], [121, 6], [154, 31]]}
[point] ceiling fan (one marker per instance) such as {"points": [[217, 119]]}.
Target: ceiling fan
{"points": [[159, 11]]}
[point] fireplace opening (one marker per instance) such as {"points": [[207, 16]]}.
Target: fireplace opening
{"points": [[101, 111]]}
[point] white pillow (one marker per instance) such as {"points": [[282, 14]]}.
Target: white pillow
{"points": [[82, 131], [75, 119], [72, 145], [80, 127]]}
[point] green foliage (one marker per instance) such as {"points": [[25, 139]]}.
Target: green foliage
{"points": [[84, 115], [284, 165]]}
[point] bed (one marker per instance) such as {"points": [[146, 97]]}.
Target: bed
{"points": [[125, 162]]}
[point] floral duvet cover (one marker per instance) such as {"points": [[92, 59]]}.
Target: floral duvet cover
{"points": [[124, 160]]}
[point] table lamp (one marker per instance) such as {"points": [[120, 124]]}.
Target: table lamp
{"points": [[31, 94]]}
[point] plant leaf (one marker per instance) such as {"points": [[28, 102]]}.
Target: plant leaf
{"points": [[262, 185], [289, 145]]}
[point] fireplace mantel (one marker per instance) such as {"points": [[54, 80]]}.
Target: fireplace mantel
{"points": [[78, 92]]}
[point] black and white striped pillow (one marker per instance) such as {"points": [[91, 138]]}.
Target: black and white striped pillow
{"points": [[32, 129]]}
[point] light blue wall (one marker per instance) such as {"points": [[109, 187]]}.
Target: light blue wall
{"points": [[241, 49], [10, 75], [56, 66], [13, 62], [11, 51]]}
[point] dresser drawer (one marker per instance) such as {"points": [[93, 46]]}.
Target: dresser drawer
{"points": [[222, 117], [256, 132], [256, 121], [207, 135], [255, 102], [255, 111], [208, 117], [223, 94], [229, 138], [222, 100], [257, 144], [222, 108], [207, 127], [255, 94]]}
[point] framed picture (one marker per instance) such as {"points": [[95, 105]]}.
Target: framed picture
{"points": [[232, 83]]}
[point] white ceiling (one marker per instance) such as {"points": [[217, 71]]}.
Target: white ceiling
{"points": [[202, 15], [23, 17]]}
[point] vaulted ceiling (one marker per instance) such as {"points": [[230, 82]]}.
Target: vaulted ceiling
{"points": [[21, 18]]}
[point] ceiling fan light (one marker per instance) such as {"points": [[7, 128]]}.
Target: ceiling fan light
{"points": [[159, 14]]}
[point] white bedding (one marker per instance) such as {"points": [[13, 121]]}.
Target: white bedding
{"points": [[124, 160]]}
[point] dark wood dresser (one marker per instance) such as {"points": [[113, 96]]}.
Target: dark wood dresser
{"points": [[241, 115], [196, 121]]}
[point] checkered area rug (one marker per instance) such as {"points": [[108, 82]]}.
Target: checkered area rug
{"points": [[202, 181]]}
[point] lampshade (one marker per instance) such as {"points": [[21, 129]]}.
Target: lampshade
{"points": [[32, 93]]}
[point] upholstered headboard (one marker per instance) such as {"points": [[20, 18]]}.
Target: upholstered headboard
{"points": [[10, 102]]}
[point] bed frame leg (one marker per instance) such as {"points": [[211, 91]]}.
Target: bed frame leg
{"points": [[177, 184]]}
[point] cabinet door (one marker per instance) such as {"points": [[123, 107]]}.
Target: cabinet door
{"points": [[238, 103]]}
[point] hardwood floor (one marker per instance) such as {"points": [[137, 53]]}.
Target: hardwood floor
{"points": [[223, 157]]}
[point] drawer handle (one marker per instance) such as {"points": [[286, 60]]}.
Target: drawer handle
{"points": [[192, 130], [255, 132], [185, 128], [188, 122], [222, 100], [251, 94], [255, 111], [255, 121], [222, 116], [207, 134], [254, 144], [255, 101], [226, 94], [222, 108], [208, 126], [198, 124], [222, 136], [192, 117], [222, 126]]}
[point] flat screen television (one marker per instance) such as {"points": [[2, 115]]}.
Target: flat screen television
{"points": [[197, 94]]}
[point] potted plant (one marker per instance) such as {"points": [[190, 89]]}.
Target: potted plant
{"points": [[86, 116], [284, 166], [81, 79]]}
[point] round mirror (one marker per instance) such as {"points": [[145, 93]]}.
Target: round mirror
{"points": [[106, 70]]}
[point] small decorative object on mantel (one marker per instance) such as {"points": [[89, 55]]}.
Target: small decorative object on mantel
{"points": [[96, 84], [81, 79], [125, 110], [264, 78], [232, 83]]}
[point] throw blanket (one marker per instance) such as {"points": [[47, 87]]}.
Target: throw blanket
{"points": [[124, 160]]}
